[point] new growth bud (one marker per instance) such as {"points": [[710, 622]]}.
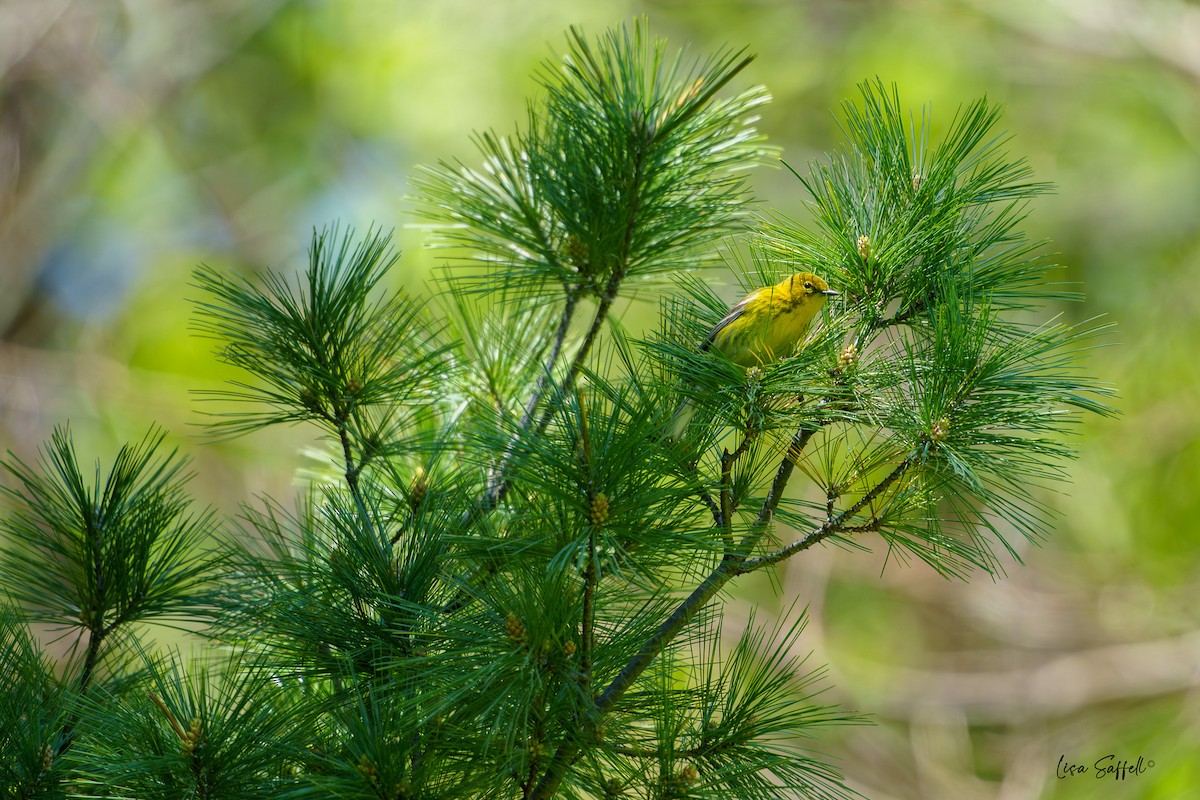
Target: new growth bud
{"points": [[848, 358], [864, 247], [514, 628], [418, 489], [192, 741], [599, 509]]}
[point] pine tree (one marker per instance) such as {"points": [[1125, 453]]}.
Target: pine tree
{"points": [[512, 584]]}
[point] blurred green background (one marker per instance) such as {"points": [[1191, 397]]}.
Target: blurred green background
{"points": [[140, 138]]}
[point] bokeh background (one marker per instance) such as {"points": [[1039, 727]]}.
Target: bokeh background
{"points": [[140, 138]]}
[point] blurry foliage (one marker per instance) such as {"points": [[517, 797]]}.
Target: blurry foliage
{"points": [[140, 138]]}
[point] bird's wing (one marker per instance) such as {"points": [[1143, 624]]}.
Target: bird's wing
{"points": [[728, 319]]}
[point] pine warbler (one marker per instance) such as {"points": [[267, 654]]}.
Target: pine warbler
{"points": [[765, 326]]}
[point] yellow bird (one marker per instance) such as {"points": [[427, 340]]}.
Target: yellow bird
{"points": [[763, 327]]}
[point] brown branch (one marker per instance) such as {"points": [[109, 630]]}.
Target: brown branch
{"points": [[352, 472], [726, 503], [775, 493], [832, 526], [707, 499], [728, 459]]}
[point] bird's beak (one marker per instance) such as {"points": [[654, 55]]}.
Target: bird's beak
{"points": [[829, 293]]}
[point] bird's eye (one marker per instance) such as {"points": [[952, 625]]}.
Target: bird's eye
{"points": [[808, 286]]}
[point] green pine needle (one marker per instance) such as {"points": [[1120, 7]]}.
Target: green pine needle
{"points": [[594, 191], [330, 349], [97, 556]]}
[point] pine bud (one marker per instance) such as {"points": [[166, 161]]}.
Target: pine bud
{"points": [[514, 628], [679, 784], [864, 247], [310, 399], [613, 788], [366, 768], [569, 648], [599, 509], [848, 358], [941, 430], [354, 386], [577, 253], [917, 180], [191, 741], [418, 489]]}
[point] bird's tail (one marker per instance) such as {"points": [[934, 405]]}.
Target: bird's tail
{"points": [[683, 417]]}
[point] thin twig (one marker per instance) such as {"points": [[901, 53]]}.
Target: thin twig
{"points": [[775, 493], [587, 632], [352, 473], [707, 499], [589, 339], [726, 503], [655, 753], [496, 477], [97, 632], [831, 526], [560, 337], [501, 483], [728, 459]]}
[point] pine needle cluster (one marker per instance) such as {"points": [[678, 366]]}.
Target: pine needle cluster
{"points": [[513, 586]]}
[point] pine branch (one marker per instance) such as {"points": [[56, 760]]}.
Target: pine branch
{"points": [[832, 527], [560, 336], [685, 612], [330, 349], [782, 475]]}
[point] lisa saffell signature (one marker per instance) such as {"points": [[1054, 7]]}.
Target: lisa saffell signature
{"points": [[1108, 766]]}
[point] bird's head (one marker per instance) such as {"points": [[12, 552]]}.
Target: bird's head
{"points": [[805, 288]]}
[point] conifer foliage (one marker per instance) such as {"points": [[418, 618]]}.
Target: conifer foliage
{"points": [[511, 585]]}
